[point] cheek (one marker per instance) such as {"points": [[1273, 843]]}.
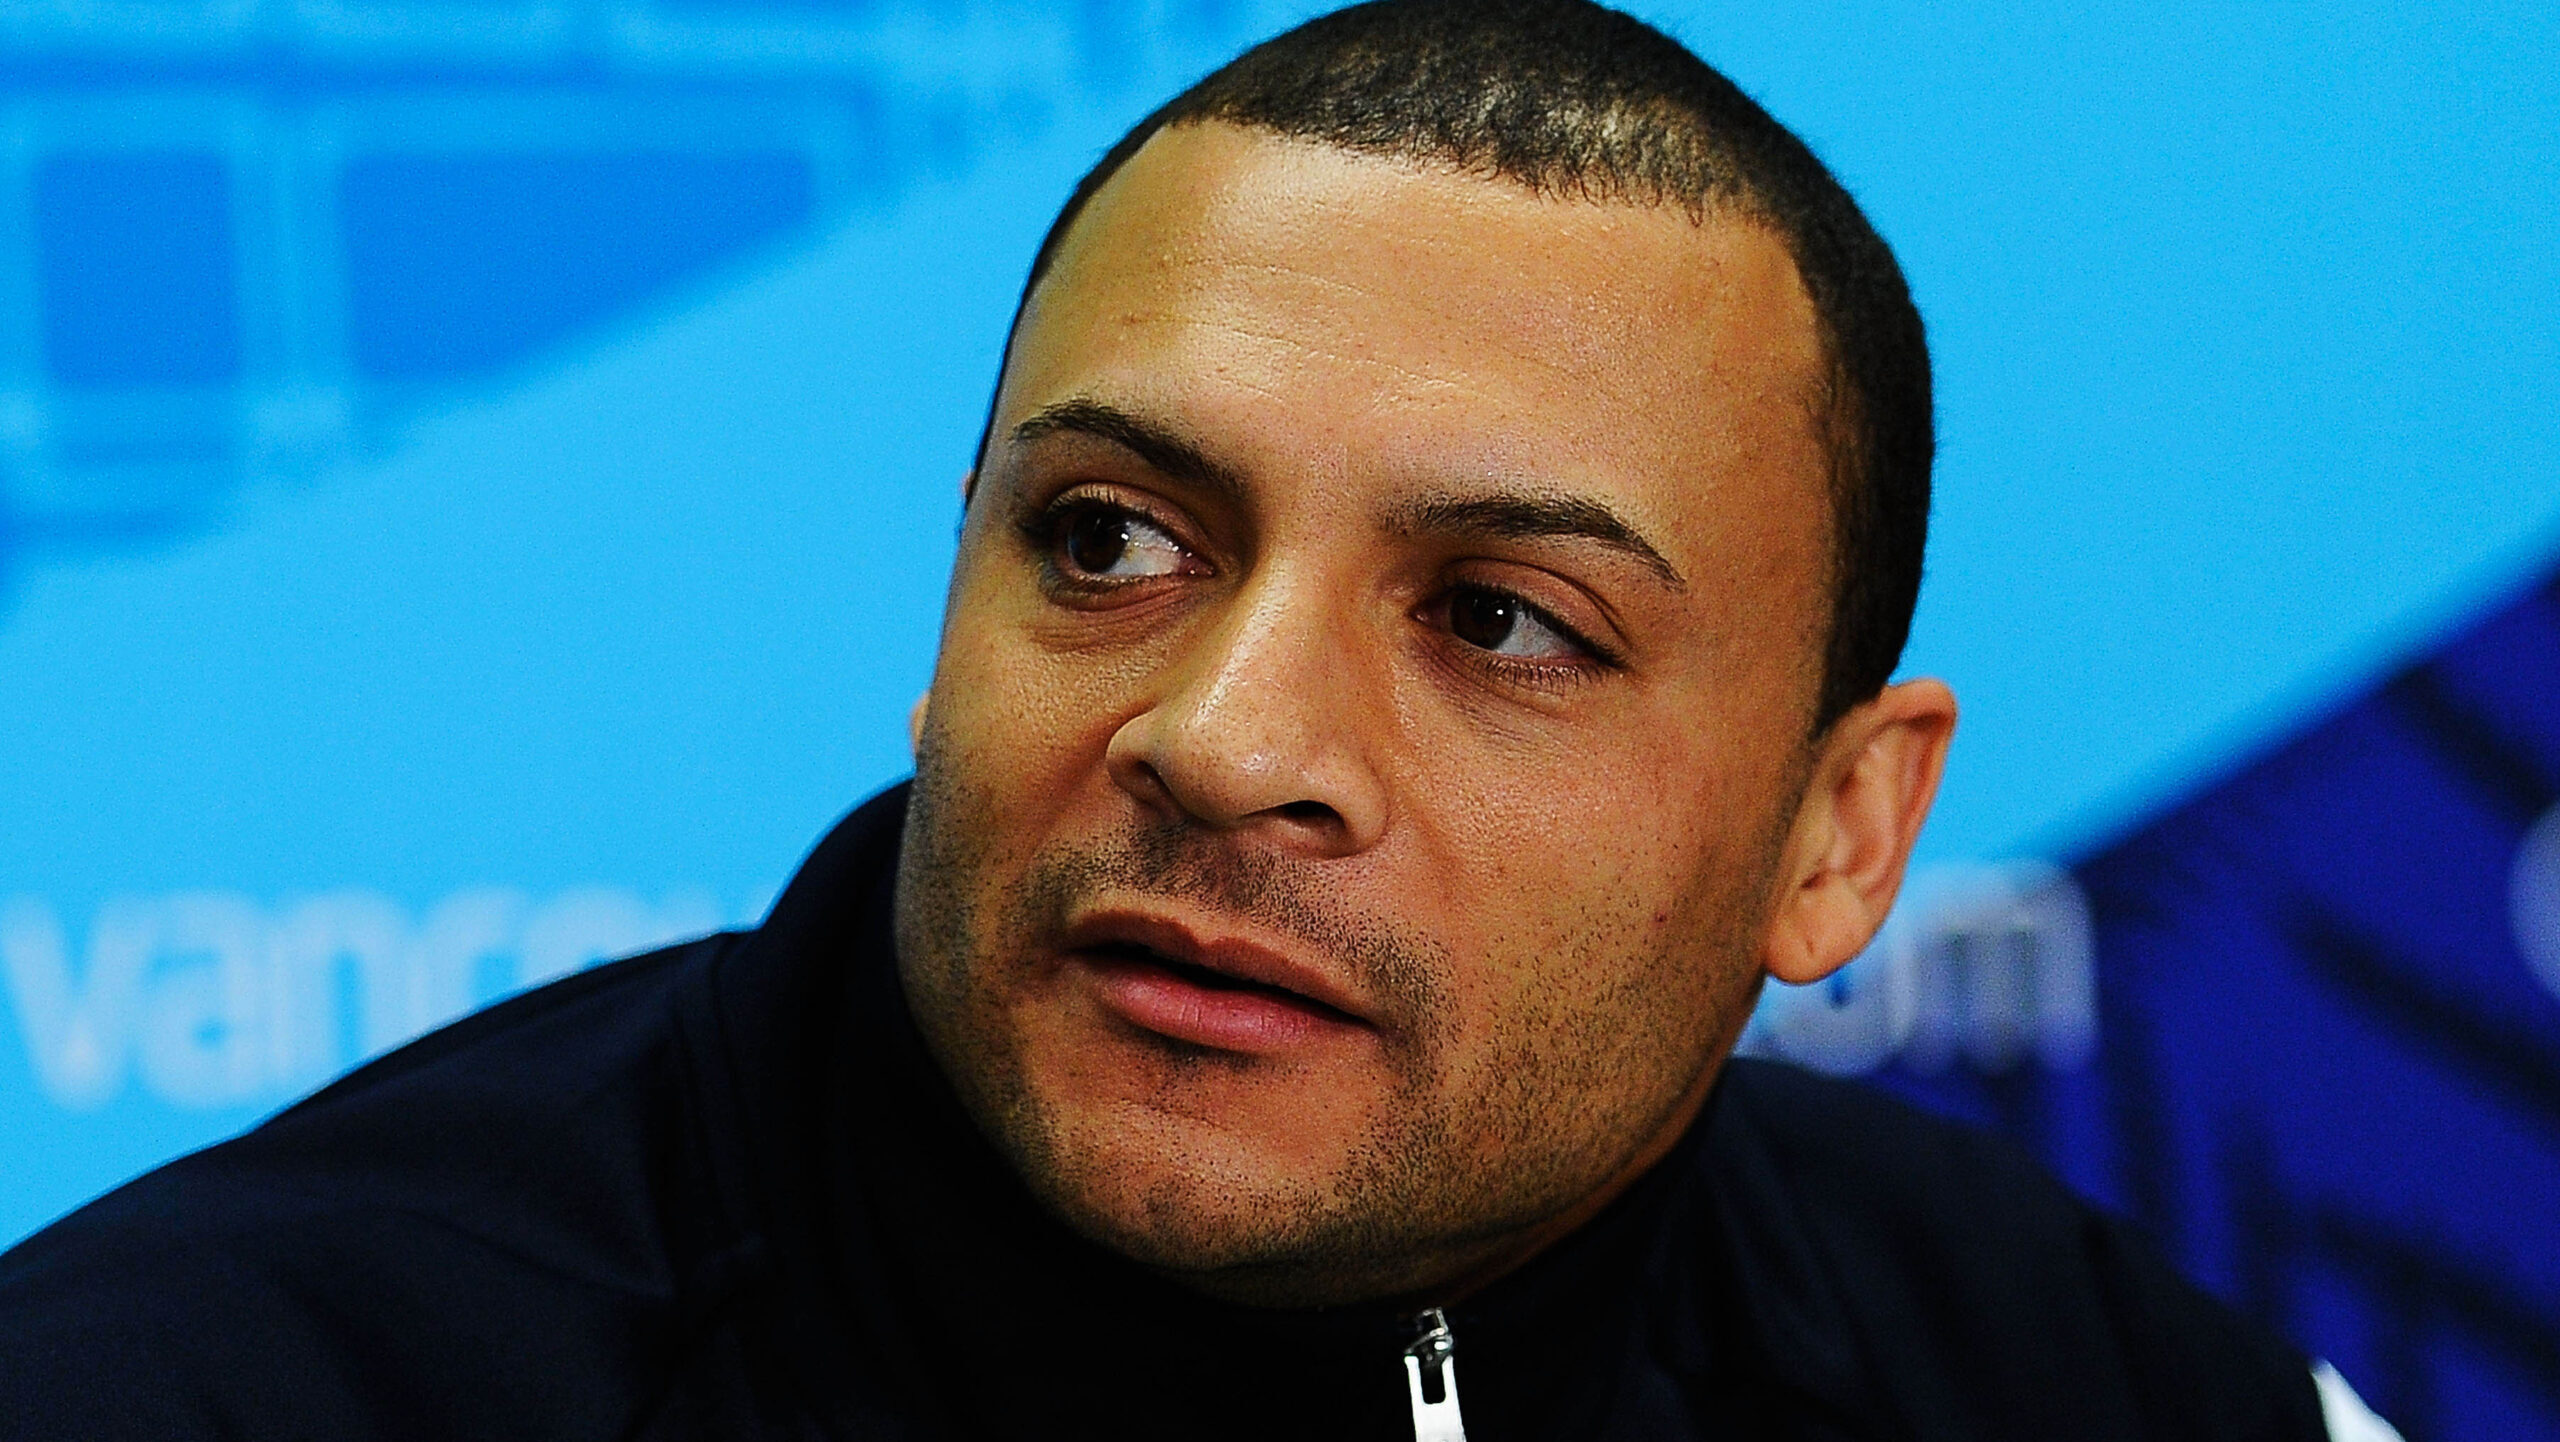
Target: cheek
{"points": [[1615, 891], [1026, 726], [1592, 825]]}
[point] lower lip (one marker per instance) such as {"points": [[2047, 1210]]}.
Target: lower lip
{"points": [[1246, 1019]]}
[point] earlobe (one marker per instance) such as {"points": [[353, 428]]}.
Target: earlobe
{"points": [[1825, 924], [1871, 790]]}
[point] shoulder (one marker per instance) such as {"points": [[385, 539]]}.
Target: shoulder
{"points": [[504, 1199], [1853, 1149], [1942, 1274]]}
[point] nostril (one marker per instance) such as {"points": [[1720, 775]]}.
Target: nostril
{"points": [[1309, 811], [1143, 781]]}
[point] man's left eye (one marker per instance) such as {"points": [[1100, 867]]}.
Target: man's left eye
{"points": [[1507, 626], [1108, 543]]}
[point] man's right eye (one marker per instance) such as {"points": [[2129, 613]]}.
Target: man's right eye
{"points": [[1106, 543]]}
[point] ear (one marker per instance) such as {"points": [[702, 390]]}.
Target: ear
{"points": [[915, 722], [1873, 779], [968, 488]]}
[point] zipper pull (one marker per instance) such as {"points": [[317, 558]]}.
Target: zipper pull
{"points": [[1431, 1376]]}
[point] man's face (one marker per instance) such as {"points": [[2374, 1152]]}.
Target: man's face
{"points": [[1376, 687]]}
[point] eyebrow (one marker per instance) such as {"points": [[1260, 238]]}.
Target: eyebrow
{"points": [[1160, 446], [1529, 515]]}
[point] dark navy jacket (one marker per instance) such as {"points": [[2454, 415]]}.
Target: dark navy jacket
{"points": [[720, 1192]]}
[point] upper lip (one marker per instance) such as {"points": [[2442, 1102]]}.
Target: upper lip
{"points": [[1226, 953]]}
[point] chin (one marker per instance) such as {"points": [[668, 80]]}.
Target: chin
{"points": [[1177, 1193], [1300, 1223], [1277, 1251]]}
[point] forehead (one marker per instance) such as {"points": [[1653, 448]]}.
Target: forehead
{"points": [[1303, 306]]}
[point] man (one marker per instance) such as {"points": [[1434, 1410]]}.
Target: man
{"points": [[1418, 658]]}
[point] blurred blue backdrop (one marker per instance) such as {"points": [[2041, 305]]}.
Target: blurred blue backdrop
{"points": [[476, 479]]}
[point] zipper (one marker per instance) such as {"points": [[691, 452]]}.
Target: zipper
{"points": [[1431, 1377]]}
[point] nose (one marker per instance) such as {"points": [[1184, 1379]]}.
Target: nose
{"points": [[1262, 727]]}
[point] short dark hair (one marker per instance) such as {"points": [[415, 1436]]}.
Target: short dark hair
{"points": [[1569, 98]]}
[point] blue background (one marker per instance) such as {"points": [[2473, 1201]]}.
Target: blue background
{"points": [[484, 472]]}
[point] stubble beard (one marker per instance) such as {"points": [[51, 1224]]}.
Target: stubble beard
{"points": [[1441, 1177]]}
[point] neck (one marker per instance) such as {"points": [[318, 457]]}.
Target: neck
{"points": [[1516, 1252]]}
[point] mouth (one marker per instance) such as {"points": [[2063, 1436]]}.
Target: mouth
{"points": [[1228, 996]]}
